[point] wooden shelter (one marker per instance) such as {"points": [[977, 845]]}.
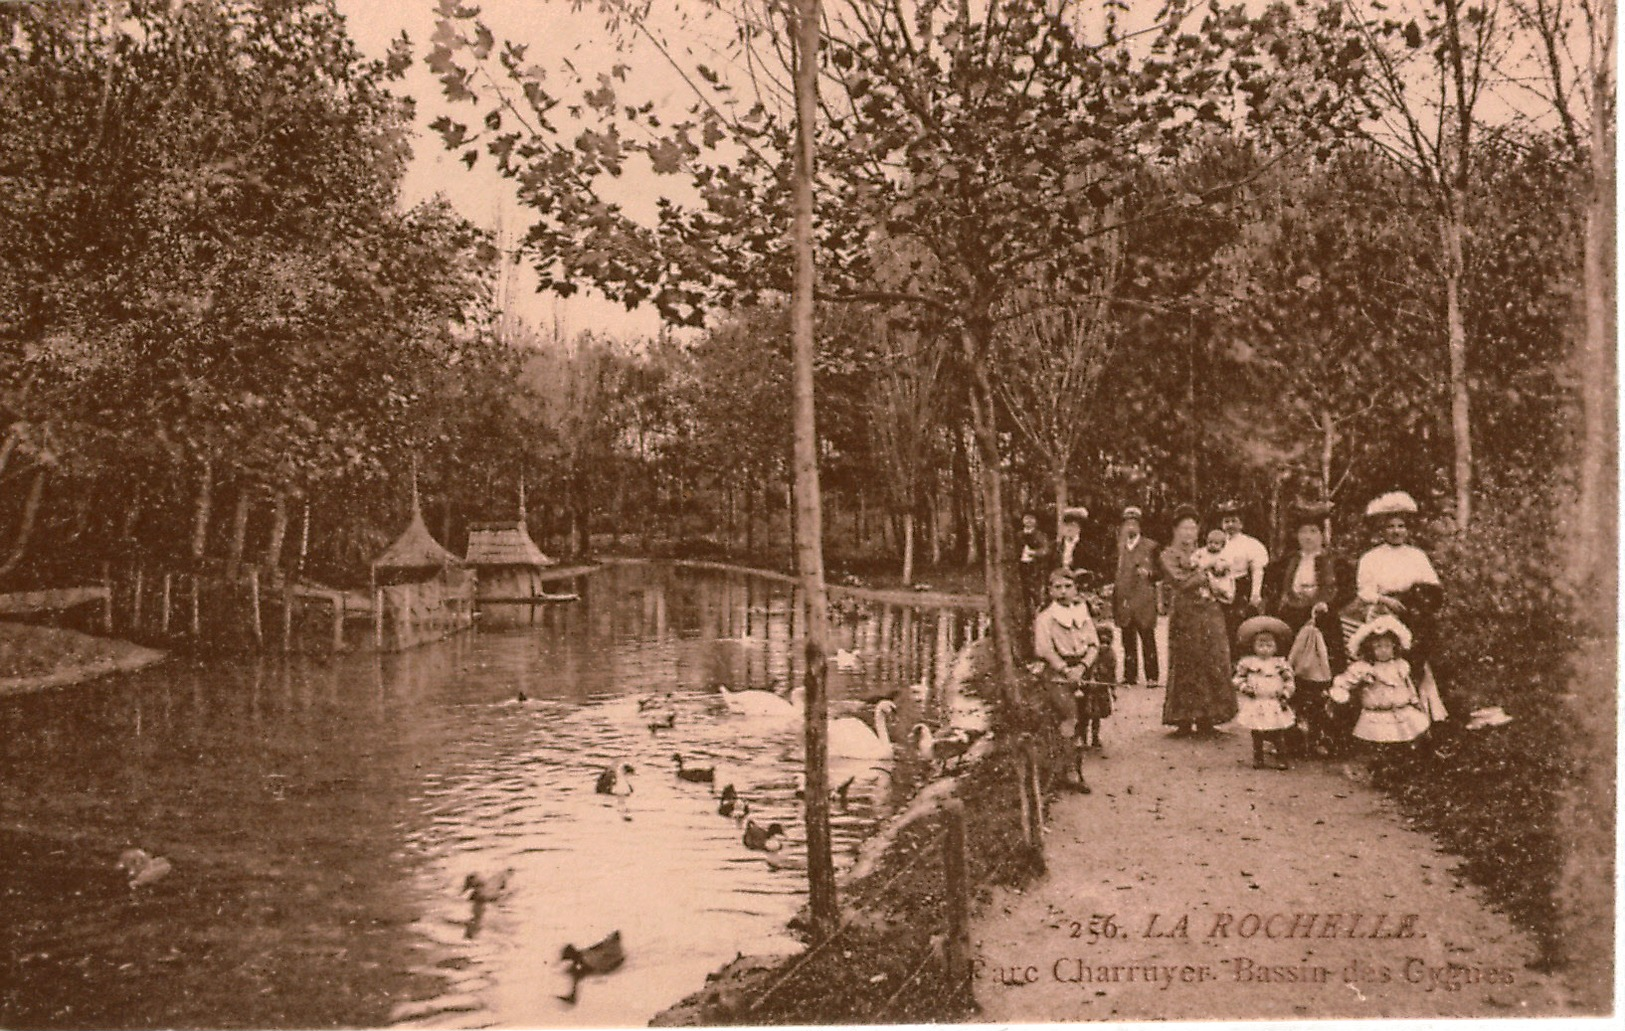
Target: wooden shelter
{"points": [[421, 591], [509, 566]]}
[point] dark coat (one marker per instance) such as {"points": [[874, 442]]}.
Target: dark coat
{"points": [[1134, 596], [1294, 611]]}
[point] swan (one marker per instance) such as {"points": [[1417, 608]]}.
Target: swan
{"points": [[851, 738], [762, 703], [848, 661]]}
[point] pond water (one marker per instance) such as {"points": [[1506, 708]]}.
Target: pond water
{"points": [[321, 817]]}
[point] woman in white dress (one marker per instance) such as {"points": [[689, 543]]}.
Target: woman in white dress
{"points": [[1397, 578]]}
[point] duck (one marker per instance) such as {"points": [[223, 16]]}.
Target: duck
{"points": [[694, 774], [663, 719], [660, 701], [837, 794], [728, 800], [615, 780], [763, 839], [949, 745], [143, 869], [762, 703], [482, 888], [601, 958], [852, 738], [848, 661], [523, 698]]}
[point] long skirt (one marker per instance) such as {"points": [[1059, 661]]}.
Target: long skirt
{"points": [[1199, 686]]}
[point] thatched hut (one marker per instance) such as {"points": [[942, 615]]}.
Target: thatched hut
{"points": [[421, 591], [509, 566]]}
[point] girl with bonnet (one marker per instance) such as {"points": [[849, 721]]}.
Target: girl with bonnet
{"points": [[1380, 681]]}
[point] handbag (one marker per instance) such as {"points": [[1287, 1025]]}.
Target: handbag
{"points": [[1308, 655]]}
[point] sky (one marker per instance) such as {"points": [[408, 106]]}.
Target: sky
{"points": [[481, 195]]}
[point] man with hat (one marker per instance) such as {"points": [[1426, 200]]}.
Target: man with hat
{"points": [[1246, 557], [1064, 638], [1134, 598]]}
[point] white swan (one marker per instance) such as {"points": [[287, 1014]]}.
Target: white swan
{"points": [[761, 703], [851, 738]]}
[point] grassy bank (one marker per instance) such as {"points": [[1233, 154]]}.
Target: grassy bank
{"points": [[33, 657], [885, 964]]}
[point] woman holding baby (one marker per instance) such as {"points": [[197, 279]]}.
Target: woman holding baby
{"points": [[1200, 693]]}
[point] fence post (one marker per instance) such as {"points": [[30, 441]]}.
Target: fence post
{"points": [[957, 886], [163, 619], [254, 607], [135, 604], [1033, 799], [287, 617], [107, 602]]}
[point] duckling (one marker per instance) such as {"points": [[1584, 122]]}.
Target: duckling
{"points": [[487, 887], [694, 774], [758, 839], [615, 780], [143, 869], [523, 698], [602, 958]]}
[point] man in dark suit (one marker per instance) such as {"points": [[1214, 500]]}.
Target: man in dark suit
{"points": [[1134, 598]]}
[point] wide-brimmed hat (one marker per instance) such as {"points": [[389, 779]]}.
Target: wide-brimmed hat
{"points": [[1063, 573], [1384, 624], [1132, 512], [1251, 628], [1395, 502], [1229, 507], [1310, 512]]}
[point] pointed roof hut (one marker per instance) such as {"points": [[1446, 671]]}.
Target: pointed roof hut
{"points": [[415, 555], [496, 545]]}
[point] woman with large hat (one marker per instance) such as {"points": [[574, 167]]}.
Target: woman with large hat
{"points": [[1200, 693], [1305, 589], [1397, 578]]}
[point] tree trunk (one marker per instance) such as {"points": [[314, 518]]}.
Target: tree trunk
{"points": [[25, 529], [809, 528], [750, 518], [908, 548], [279, 532], [1058, 480], [1460, 423], [936, 531], [1593, 559], [202, 510], [987, 443], [239, 531]]}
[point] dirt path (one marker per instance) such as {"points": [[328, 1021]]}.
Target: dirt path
{"points": [[1186, 829]]}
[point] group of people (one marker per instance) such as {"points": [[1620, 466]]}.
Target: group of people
{"points": [[1283, 648]]}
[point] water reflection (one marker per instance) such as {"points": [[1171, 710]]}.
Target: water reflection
{"points": [[323, 817]]}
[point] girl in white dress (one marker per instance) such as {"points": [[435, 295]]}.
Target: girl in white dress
{"points": [[1391, 708], [1264, 686]]}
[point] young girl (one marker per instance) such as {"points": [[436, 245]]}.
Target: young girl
{"points": [[1391, 712], [1264, 687]]}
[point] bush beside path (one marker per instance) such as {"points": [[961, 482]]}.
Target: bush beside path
{"points": [[1186, 828]]}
